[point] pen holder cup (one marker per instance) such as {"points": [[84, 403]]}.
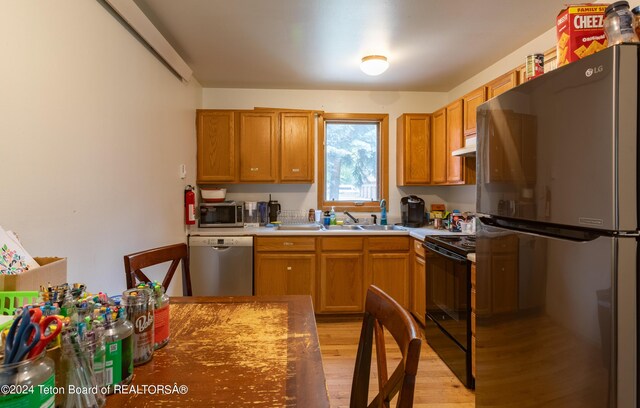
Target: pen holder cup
{"points": [[83, 366], [31, 377]]}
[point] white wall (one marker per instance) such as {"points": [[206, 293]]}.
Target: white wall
{"points": [[298, 197], [93, 129]]}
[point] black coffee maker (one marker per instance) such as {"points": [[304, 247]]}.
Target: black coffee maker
{"points": [[412, 211]]}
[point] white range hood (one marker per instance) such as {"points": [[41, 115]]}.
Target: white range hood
{"points": [[469, 150]]}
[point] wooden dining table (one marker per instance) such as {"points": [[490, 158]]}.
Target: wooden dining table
{"points": [[257, 351]]}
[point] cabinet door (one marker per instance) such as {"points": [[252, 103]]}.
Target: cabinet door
{"points": [[418, 289], [439, 147], [258, 146], [296, 147], [216, 146], [471, 101], [341, 282], [455, 140], [501, 84], [390, 272], [413, 149], [285, 274]]}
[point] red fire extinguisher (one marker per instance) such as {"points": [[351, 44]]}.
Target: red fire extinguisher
{"points": [[189, 205]]}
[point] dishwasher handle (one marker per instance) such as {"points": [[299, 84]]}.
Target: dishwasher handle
{"points": [[220, 248]]}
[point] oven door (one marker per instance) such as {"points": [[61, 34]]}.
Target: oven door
{"points": [[448, 292]]}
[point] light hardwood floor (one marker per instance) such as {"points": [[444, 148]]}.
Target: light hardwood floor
{"points": [[436, 386]]}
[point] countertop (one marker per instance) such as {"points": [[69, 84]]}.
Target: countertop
{"points": [[418, 233]]}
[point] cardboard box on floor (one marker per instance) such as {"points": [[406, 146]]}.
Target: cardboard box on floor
{"points": [[52, 270]]}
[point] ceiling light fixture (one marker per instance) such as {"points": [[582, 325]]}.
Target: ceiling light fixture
{"points": [[374, 64]]}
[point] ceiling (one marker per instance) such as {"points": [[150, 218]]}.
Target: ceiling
{"points": [[431, 45]]}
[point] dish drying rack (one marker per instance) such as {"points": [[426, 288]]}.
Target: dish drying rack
{"points": [[294, 217]]}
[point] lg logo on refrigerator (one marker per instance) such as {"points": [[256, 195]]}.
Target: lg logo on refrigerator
{"points": [[595, 70]]}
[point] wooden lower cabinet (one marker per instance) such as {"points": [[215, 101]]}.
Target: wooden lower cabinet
{"points": [[285, 266], [341, 275], [335, 271], [388, 266], [390, 272], [341, 282], [417, 285], [285, 274]]}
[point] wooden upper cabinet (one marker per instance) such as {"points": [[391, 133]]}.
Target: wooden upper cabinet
{"points": [[502, 83], [413, 149], [455, 140], [216, 146], [439, 147], [296, 147], [258, 146], [470, 103]]}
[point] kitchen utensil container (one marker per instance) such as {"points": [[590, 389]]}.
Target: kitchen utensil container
{"points": [[139, 304], [26, 377]]}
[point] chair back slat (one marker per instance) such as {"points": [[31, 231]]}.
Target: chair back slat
{"points": [[382, 312], [134, 263]]}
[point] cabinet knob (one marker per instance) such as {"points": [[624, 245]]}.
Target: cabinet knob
{"points": [[289, 268], [254, 169]]}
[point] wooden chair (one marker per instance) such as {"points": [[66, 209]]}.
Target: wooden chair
{"points": [[133, 264], [381, 312]]}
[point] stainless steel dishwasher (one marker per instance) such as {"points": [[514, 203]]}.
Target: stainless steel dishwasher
{"points": [[221, 265]]}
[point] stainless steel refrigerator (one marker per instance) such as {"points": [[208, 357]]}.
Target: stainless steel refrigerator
{"points": [[557, 248]]}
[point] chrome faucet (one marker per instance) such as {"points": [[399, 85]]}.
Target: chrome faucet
{"points": [[355, 220]]}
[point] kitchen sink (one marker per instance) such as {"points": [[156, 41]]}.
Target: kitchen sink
{"points": [[300, 227], [382, 228], [343, 227]]}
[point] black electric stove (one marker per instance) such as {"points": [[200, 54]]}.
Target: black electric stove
{"points": [[460, 244], [448, 290]]}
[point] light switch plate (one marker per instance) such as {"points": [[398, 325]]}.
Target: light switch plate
{"points": [[183, 171]]}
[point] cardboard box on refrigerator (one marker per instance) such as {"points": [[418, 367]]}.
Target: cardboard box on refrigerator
{"points": [[580, 32], [51, 270]]}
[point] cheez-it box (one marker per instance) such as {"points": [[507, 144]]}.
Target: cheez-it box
{"points": [[580, 32]]}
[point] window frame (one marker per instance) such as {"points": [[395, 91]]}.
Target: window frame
{"points": [[383, 161]]}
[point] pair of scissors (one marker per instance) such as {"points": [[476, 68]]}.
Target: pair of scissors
{"points": [[23, 336], [45, 323]]}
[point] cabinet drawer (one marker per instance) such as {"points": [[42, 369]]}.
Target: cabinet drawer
{"points": [[418, 248], [387, 244], [285, 244], [342, 244]]}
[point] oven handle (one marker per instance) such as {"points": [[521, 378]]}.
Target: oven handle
{"points": [[444, 252]]}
